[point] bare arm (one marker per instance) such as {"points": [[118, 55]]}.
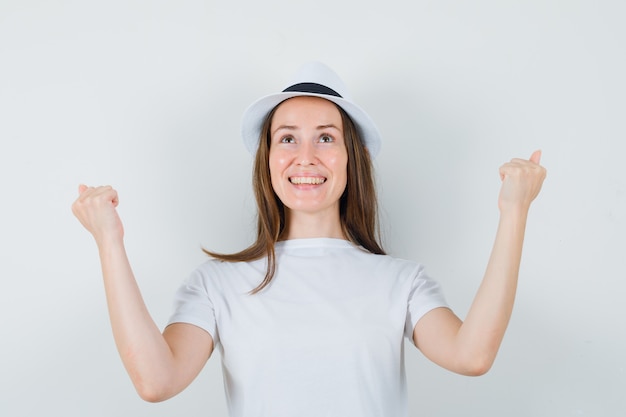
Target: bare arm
{"points": [[470, 347], [159, 365]]}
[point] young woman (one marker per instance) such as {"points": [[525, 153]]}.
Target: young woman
{"points": [[310, 319]]}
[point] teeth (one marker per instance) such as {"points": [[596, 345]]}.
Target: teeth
{"points": [[307, 180]]}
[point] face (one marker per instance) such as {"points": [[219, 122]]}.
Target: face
{"points": [[308, 157]]}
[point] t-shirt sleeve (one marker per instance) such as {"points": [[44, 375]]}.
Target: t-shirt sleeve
{"points": [[426, 294], [193, 305]]}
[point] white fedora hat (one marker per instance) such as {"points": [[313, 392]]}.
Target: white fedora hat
{"points": [[317, 80]]}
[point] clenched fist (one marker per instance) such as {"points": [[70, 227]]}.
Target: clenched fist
{"points": [[521, 182], [95, 208]]}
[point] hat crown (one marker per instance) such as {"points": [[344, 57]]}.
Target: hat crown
{"points": [[318, 73]]}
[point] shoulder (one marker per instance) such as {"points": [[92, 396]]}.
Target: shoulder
{"points": [[214, 266], [218, 274], [392, 263], [386, 268]]}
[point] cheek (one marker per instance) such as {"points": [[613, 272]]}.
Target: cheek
{"points": [[277, 164], [340, 165], [277, 157]]}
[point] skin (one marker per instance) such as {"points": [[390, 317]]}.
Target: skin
{"points": [[160, 365], [470, 347], [306, 140]]}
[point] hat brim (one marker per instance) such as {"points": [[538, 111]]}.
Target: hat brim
{"points": [[255, 116]]}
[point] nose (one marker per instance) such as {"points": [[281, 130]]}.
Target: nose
{"points": [[306, 153]]}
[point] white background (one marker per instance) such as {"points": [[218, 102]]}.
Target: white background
{"points": [[147, 96]]}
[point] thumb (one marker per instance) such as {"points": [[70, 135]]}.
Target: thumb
{"points": [[81, 188], [536, 157]]}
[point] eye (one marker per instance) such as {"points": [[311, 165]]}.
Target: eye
{"points": [[287, 139], [326, 139]]}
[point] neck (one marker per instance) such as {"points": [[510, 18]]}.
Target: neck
{"points": [[302, 225]]}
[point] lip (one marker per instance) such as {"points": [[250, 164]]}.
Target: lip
{"points": [[307, 180]]}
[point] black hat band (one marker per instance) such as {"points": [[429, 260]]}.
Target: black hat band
{"points": [[312, 88]]}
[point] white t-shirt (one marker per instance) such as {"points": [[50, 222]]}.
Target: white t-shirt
{"points": [[325, 338]]}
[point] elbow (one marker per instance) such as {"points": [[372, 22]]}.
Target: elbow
{"points": [[151, 396], [476, 366], [152, 379], [151, 392], [478, 369]]}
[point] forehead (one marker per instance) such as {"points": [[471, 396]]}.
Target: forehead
{"points": [[305, 109]]}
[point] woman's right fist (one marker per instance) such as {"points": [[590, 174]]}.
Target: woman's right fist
{"points": [[95, 208]]}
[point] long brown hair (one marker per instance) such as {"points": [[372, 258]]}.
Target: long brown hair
{"points": [[358, 206]]}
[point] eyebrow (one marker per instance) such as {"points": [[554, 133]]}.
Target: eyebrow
{"points": [[291, 127]]}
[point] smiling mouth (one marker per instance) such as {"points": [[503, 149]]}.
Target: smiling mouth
{"points": [[307, 180]]}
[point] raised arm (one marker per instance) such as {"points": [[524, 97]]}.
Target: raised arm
{"points": [[159, 365], [470, 347]]}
